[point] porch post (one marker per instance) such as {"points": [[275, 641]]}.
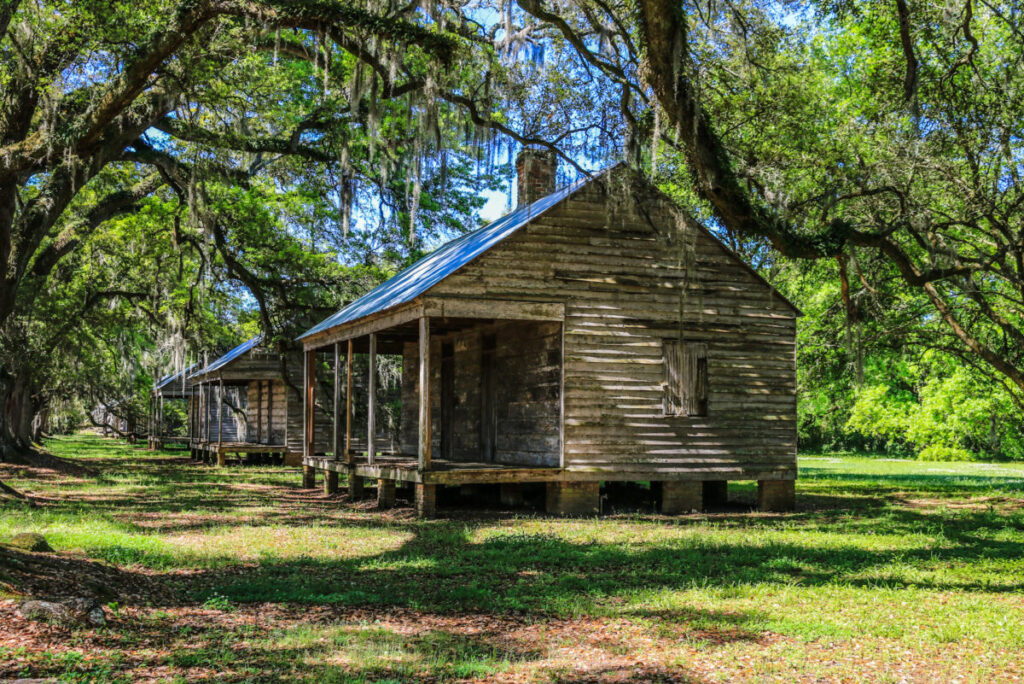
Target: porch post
{"points": [[337, 400], [355, 482], [259, 412], [220, 413], [305, 411], [371, 425], [209, 412], [270, 411], [424, 398], [200, 409], [348, 406], [309, 398]]}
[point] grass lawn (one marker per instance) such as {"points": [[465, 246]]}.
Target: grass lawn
{"points": [[889, 571]]}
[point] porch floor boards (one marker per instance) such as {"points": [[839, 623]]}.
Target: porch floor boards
{"points": [[239, 447], [406, 469]]}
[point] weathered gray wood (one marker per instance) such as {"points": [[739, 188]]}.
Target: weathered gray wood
{"points": [[424, 395], [278, 399], [495, 309], [364, 326], [309, 397], [568, 361], [371, 424], [256, 412], [628, 286], [335, 423], [447, 399], [220, 412], [488, 385], [348, 404]]}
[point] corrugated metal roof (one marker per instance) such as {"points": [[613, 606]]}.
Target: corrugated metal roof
{"points": [[409, 284], [174, 377], [219, 363]]}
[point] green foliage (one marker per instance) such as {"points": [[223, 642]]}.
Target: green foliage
{"points": [[938, 452], [953, 415]]}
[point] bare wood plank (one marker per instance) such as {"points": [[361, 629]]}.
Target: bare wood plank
{"points": [[371, 419], [364, 326], [349, 457], [497, 308], [309, 402], [423, 452], [270, 409], [220, 412], [337, 400]]}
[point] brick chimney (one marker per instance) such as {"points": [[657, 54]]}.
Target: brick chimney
{"points": [[535, 172]]}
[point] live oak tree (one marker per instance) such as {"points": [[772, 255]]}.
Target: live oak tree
{"points": [[90, 86], [888, 132], [379, 111]]}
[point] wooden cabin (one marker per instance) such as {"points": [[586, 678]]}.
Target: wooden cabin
{"points": [[596, 334], [172, 387], [117, 419], [248, 404]]}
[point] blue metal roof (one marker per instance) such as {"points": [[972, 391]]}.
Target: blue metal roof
{"points": [[173, 377], [409, 284], [216, 365]]}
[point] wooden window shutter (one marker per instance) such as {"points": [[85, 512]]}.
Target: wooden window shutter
{"points": [[686, 378]]}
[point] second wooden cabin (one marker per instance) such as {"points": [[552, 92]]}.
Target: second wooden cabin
{"points": [[174, 387], [248, 404]]}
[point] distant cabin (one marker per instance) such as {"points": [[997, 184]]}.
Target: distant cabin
{"points": [[247, 404], [596, 334], [173, 387]]}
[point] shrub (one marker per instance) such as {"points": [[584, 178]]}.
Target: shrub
{"points": [[939, 452]]}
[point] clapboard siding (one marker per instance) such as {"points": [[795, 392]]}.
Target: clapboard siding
{"points": [[628, 284], [231, 412], [266, 412], [323, 401]]}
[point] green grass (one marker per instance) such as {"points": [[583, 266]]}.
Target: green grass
{"points": [[889, 569]]}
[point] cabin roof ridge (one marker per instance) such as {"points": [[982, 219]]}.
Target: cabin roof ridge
{"points": [[229, 357]]}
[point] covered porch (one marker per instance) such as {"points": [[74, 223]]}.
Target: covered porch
{"points": [[474, 397], [175, 389], [240, 409]]}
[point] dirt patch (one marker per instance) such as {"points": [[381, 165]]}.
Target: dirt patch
{"points": [[152, 645], [55, 575], [980, 503]]}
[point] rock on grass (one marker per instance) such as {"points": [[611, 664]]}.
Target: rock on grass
{"points": [[69, 612], [30, 541]]}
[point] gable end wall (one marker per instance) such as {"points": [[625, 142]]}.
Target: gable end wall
{"points": [[627, 286]]}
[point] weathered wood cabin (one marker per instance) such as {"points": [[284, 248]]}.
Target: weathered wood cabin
{"points": [[595, 334], [248, 404], [117, 419], [172, 387]]}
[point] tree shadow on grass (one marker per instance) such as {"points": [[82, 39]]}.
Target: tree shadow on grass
{"points": [[444, 566], [398, 649], [441, 567]]}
